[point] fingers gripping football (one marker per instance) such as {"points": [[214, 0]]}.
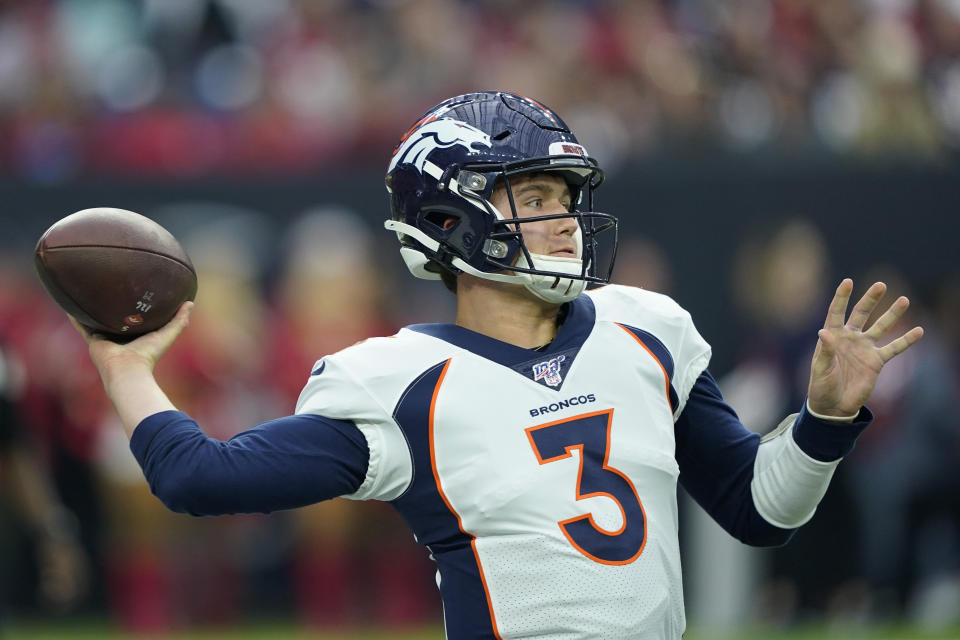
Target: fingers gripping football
{"points": [[146, 350]]}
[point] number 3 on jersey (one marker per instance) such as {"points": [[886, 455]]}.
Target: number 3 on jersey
{"points": [[590, 433]]}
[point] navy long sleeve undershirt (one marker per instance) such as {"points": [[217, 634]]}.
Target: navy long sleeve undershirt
{"points": [[281, 464], [716, 454], [303, 459]]}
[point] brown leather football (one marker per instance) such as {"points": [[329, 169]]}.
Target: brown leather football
{"points": [[117, 272]]}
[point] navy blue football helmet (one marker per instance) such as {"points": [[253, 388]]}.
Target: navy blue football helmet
{"points": [[447, 166]]}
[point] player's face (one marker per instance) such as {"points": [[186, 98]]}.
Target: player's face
{"points": [[539, 195]]}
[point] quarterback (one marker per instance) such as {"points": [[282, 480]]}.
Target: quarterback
{"points": [[534, 447]]}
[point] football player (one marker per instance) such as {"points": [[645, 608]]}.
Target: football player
{"points": [[534, 446]]}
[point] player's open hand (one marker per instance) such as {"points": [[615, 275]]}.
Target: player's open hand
{"points": [[849, 357], [145, 350]]}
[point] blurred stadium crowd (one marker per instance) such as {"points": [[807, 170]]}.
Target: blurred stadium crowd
{"points": [[186, 88], [161, 91]]}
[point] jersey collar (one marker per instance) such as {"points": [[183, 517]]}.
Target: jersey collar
{"points": [[581, 316]]}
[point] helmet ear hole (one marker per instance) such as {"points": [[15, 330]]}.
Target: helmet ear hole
{"points": [[442, 219], [503, 135]]}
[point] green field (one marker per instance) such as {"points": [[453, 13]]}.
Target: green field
{"points": [[100, 631]]}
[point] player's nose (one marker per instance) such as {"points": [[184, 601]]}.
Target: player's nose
{"points": [[566, 225]]}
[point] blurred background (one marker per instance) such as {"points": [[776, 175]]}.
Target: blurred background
{"points": [[757, 152]]}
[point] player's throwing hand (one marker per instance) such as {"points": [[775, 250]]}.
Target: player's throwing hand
{"points": [[146, 349], [849, 357], [127, 369]]}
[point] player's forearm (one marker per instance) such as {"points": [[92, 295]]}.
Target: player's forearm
{"points": [[134, 393], [795, 464]]}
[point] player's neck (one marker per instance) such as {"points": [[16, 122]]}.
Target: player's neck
{"points": [[506, 312]]}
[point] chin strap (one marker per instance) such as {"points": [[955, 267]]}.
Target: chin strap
{"points": [[553, 289]]}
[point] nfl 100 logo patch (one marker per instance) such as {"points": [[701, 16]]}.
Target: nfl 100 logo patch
{"points": [[549, 371]]}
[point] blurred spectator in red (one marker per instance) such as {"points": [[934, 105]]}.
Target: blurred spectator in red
{"points": [[59, 412], [354, 561], [56, 578], [168, 571]]}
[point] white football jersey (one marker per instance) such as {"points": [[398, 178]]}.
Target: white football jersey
{"points": [[543, 483]]}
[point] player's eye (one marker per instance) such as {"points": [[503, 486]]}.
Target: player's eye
{"points": [[535, 203]]}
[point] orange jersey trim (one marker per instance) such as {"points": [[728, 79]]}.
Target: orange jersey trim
{"points": [[666, 377], [443, 496]]}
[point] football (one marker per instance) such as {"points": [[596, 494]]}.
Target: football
{"points": [[117, 272]]}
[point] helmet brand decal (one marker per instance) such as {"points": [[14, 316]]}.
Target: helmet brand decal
{"points": [[566, 149], [549, 371], [437, 134]]}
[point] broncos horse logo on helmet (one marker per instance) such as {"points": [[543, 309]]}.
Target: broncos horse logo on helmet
{"points": [[447, 166], [436, 134]]}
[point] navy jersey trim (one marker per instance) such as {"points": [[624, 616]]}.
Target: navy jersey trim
{"points": [[468, 612], [580, 319], [661, 354]]}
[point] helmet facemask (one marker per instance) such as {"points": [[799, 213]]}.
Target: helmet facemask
{"points": [[552, 278]]}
